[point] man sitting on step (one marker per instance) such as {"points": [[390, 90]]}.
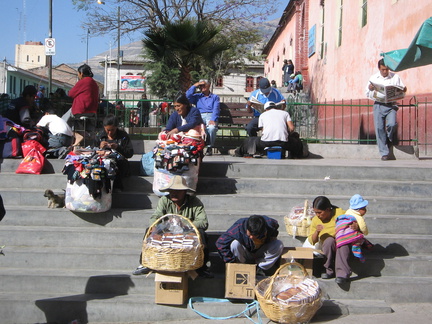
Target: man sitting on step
{"points": [[277, 130], [180, 200], [252, 240]]}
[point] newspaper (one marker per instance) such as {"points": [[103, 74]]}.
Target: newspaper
{"points": [[259, 106], [388, 93]]}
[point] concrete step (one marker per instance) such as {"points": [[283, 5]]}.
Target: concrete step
{"points": [[218, 219], [94, 308], [216, 185], [230, 167], [55, 236], [269, 202]]}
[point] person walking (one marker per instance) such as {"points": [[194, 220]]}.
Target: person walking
{"points": [[384, 113]]}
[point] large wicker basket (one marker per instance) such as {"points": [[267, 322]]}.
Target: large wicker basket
{"points": [[300, 225], [285, 312], [161, 258]]}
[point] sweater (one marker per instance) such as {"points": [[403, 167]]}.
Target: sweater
{"points": [[85, 96], [192, 209], [238, 232]]}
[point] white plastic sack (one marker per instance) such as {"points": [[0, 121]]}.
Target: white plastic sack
{"points": [[162, 177], [78, 198]]}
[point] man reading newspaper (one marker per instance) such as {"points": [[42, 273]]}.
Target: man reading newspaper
{"points": [[385, 88]]}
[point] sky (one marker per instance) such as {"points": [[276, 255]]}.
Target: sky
{"points": [[19, 24]]}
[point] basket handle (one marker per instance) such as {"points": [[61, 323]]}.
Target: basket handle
{"points": [[305, 208], [270, 286], [184, 218]]}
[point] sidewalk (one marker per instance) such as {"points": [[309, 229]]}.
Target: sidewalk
{"points": [[403, 314]]}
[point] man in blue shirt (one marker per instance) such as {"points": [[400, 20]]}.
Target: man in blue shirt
{"points": [[258, 98], [209, 107]]}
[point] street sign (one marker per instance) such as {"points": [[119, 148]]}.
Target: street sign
{"points": [[49, 46]]}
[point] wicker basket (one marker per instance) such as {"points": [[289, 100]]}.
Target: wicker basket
{"points": [[299, 226], [170, 259], [286, 312]]}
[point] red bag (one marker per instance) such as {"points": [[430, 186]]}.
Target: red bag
{"points": [[34, 159]]}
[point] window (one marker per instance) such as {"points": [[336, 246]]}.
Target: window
{"points": [[28, 58], [339, 37], [257, 82], [38, 58], [322, 31], [219, 82], [363, 13], [249, 84]]}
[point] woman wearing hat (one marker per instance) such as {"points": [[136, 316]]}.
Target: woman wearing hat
{"points": [[180, 200]]}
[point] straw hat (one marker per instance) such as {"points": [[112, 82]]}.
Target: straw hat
{"points": [[177, 183]]}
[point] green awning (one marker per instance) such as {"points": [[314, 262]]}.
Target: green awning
{"points": [[419, 53]]}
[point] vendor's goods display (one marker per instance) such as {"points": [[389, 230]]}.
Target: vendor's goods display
{"points": [[298, 221], [178, 155], [172, 243], [89, 173], [291, 297]]}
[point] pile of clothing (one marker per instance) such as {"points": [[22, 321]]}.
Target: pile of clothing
{"points": [[176, 153], [94, 170]]}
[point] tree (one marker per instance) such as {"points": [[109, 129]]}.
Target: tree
{"points": [[141, 15], [185, 46], [163, 81]]}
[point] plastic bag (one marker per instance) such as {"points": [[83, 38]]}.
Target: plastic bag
{"points": [[299, 219], [147, 164], [34, 159], [173, 232]]}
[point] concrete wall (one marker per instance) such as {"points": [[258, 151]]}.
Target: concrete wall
{"points": [[343, 71]]}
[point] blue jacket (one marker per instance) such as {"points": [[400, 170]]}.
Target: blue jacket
{"points": [[205, 104], [238, 232], [193, 119]]}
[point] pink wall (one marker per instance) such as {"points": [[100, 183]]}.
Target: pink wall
{"points": [[344, 71]]}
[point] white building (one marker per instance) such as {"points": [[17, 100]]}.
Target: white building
{"points": [[30, 55]]}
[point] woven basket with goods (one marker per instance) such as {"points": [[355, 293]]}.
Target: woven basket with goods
{"points": [[289, 298], [172, 243], [298, 222]]}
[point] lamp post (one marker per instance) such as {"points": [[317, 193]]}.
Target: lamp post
{"points": [[118, 47], [88, 33], [50, 56]]}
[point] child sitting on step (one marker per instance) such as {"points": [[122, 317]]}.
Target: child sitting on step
{"points": [[350, 231]]}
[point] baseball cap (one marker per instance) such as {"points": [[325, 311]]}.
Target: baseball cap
{"points": [[264, 85], [269, 104]]}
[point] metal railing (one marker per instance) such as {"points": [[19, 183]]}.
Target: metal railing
{"points": [[346, 121]]}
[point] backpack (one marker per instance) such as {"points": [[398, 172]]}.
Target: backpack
{"points": [[37, 133]]}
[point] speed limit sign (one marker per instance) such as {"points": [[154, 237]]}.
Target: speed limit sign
{"points": [[49, 46]]}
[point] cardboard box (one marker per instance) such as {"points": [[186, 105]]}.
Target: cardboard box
{"points": [[171, 288], [240, 280], [302, 255]]}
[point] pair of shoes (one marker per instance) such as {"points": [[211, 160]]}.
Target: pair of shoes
{"points": [[260, 272], [340, 280], [257, 156], [141, 270], [327, 276], [384, 158], [209, 151]]}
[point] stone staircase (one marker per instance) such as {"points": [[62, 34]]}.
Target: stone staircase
{"points": [[60, 266]]}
